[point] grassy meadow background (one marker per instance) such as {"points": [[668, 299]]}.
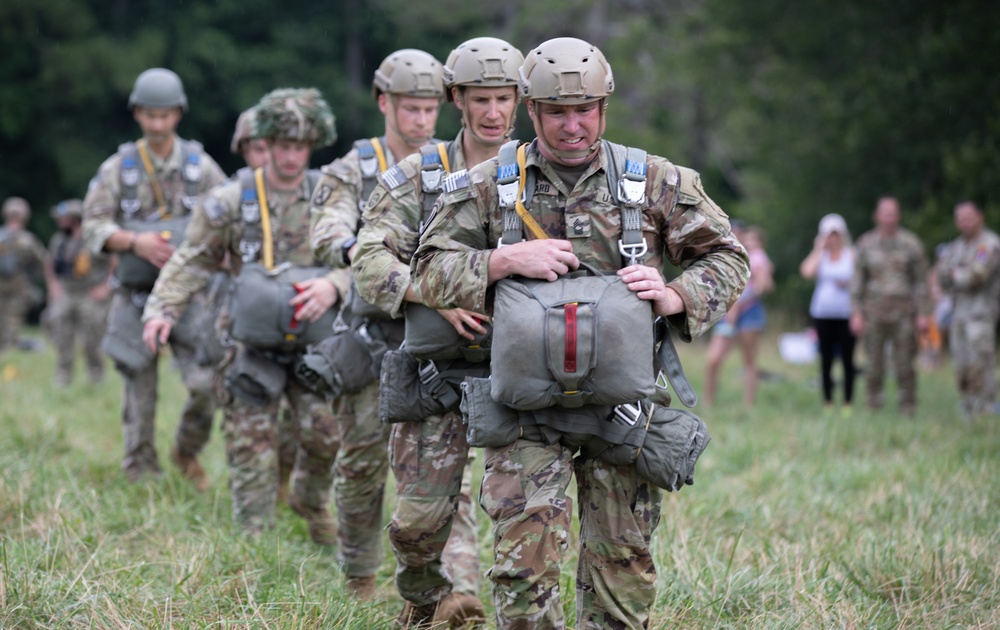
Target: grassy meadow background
{"points": [[797, 520]]}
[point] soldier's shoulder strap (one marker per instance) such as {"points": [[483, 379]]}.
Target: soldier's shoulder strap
{"points": [[371, 161], [191, 171], [435, 165], [129, 176], [625, 168]]}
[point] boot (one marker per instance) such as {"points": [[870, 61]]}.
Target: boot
{"points": [[415, 616], [361, 588], [322, 527], [459, 610], [191, 469]]}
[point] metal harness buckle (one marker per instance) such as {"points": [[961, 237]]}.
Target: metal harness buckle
{"points": [[634, 253], [628, 413], [427, 372], [130, 206], [430, 179], [130, 176], [369, 166]]}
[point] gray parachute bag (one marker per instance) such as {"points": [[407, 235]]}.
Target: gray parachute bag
{"points": [[430, 336], [138, 273], [255, 378]]}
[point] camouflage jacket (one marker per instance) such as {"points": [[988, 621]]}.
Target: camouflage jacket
{"points": [[75, 267], [102, 213], [20, 253], [216, 228], [336, 206], [970, 272], [680, 223], [390, 231], [890, 276]]}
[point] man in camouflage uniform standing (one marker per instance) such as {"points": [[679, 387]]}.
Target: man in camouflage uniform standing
{"points": [[566, 83], [293, 121], [890, 302], [20, 252], [159, 176], [437, 562], [970, 272], [408, 88], [79, 294]]}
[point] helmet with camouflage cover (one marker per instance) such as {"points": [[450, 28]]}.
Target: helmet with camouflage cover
{"points": [[68, 208], [245, 130], [159, 88], [296, 114], [409, 72], [16, 208], [482, 62], [567, 71]]}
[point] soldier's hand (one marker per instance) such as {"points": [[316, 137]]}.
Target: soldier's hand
{"points": [[315, 297], [100, 292], [923, 323], [545, 259], [464, 320], [648, 284], [857, 324], [154, 248], [155, 333]]}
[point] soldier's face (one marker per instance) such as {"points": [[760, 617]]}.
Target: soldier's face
{"points": [[157, 124], [968, 220], [255, 153], [570, 128], [412, 119], [289, 158], [887, 214], [488, 113]]}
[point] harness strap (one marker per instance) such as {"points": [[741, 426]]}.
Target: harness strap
{"points": [[129, 177], [670, 363], [372, 161], [191, 172], [161, 203], [265, 220], [434, 167], [511, 186]]}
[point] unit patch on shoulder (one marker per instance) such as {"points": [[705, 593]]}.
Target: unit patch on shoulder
{"points": [[322, 194], [455, 181], [393, 177]]}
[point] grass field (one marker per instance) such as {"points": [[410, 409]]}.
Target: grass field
{"points": [[797, 520]]}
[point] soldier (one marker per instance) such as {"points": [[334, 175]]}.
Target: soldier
{"points": [[146, 186], [247, 144], [890, 302], [428, 455], [261, 219], [408, 88], [79, 294], [20, 252], [566, 83], [970, 272]]}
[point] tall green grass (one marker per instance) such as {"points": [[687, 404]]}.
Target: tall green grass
{"points": [[798, 519]]}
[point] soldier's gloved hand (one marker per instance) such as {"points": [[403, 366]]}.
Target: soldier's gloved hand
{"points": [[316, 296], [461, 318], [156, 332], [648, 284], [545, 259], [153, 247]]}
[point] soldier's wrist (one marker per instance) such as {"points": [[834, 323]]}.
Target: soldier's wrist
{"points": [[131, 242]]}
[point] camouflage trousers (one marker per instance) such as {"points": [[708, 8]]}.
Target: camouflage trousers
{"points": [[139, 405], [524, 493], [433, 529], [973, 350], [254, 441], [902, 335], [359, 485], [12, 309], [76, 317]]}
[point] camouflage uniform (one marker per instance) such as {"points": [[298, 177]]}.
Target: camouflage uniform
{"points": [[434, 522], [362, 464], [252, 440], [524, 490], [889, 289], [970, 272], [75, 314], [20, 251], [102, 217]]}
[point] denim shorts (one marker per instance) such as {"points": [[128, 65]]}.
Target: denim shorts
{"points": [[752, 319]]}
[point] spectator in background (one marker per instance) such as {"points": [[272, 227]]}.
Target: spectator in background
{"points": [[745, 320], [831, 263]]}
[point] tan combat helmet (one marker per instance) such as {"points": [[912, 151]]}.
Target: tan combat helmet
{"points": [[16, 208], [296, 114], [482, 62], [566, 71], [159, 88], [68, 208], [409, 72], [245, 131]]}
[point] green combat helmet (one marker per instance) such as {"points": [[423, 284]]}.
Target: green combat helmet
{"points": [[482, 62], [296, 114], [409, 72], [159, 88], [566, 71], [16, 208], [245, 131], [68, 208]]}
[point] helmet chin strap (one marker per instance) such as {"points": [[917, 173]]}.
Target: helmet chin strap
{"points": [[567, 155]]}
